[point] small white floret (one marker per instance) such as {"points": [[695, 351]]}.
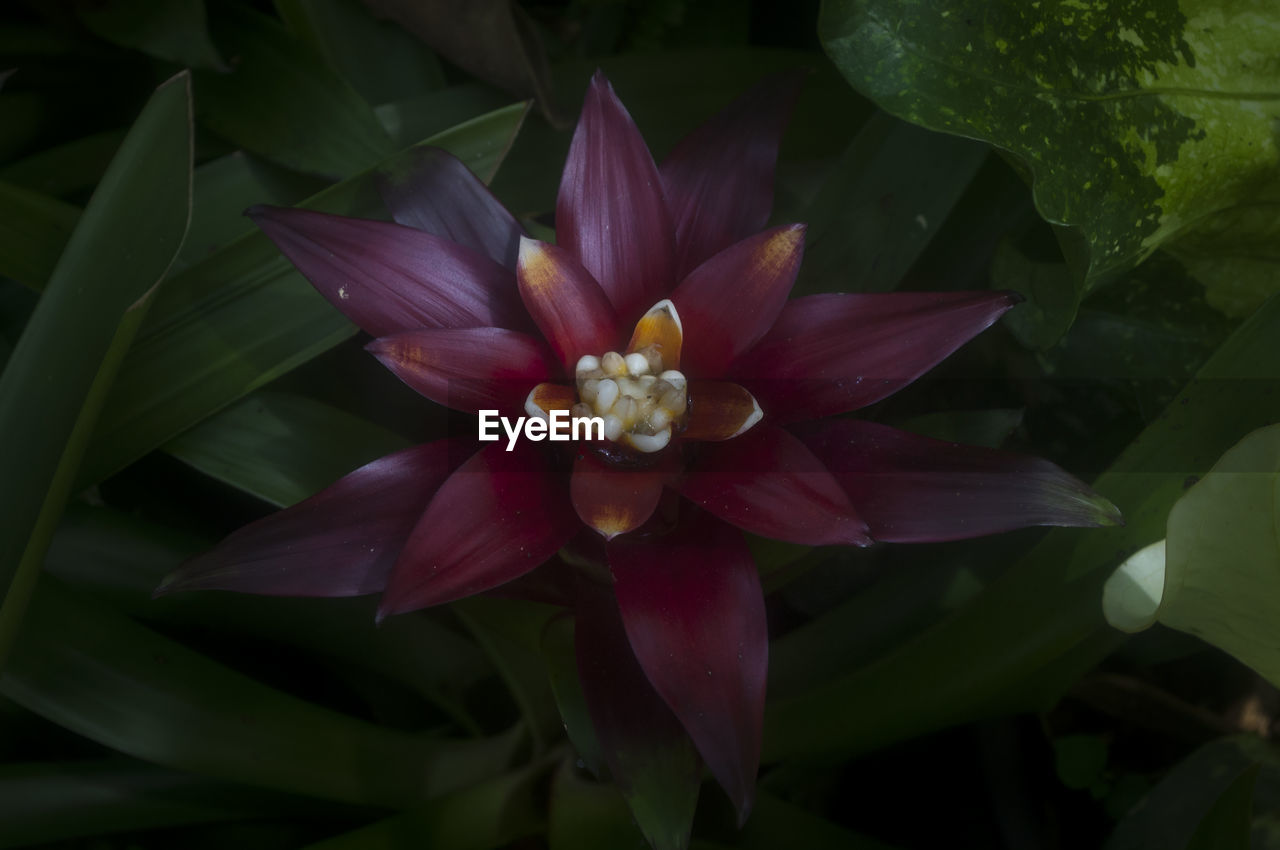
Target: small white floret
{"points": [[650, 443], [606, 396], [637, 364]]}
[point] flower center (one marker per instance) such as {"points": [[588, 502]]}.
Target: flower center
{"points": [[639, 400]]}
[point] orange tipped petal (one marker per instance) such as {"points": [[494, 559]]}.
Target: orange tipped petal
{"points": [[566, 303], [729, 302], [614, 500], [545, 398], [661, 328], [719, 410]]}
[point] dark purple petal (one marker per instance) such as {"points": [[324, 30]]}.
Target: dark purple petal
{"points": [[471, 369], [499, 516], [437, 193], [913, 489], [650, 756], [614, 500], [829, 354], [694, 612], [768, 483], [610, 214], [340, 542], [566, 303], [387, 278], [719, 179], [729, 302]]}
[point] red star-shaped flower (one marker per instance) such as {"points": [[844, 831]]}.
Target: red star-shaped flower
{"points": [[664, 310]]}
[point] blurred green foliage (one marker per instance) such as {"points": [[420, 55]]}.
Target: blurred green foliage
{"points": [[140, 422]]}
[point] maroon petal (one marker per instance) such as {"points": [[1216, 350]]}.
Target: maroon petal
{"points": [[340, 542], [615, 500], [387, 278], [694, 613], [471, 369], [437, 193], [768, 483], [719, 179], [729, 302], [648, 752], [610, 213], [833, 353], [566, 303], [913, 489], [499, 516]]}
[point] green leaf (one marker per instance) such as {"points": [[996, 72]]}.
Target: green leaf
{"points": [[870, 623], [1141, 125], [224, 189], [492, 814], [1230, 822], [24, 116], [120, 560], [1052, 299], [282, 448], [283, 103], [988, 428], [881, 204], [587, 815], [777, 823], [1205, 797], [234, 322], [175, 30], [510, 631], [58, 376], [1217, 575], [1080, 760], [1019, 644], [43, 802], [414, 118], [67, 168], [101, 675], [380, 60], [34, 229], [562, 673]]}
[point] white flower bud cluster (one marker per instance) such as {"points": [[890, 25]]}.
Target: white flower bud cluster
{"points": [[638, 400]]}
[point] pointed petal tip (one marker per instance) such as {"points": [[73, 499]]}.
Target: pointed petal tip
{"points": [[744, 805], [752, 420], [1013, 298], [1108, 515], [527, 246]]}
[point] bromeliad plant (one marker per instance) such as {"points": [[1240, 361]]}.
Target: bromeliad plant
{"points": [[663, 309]]}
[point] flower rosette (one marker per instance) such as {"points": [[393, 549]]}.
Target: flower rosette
{"points": [[664, 310]]}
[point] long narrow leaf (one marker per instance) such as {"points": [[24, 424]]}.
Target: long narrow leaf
{"points": [[244, 317], [34, 228], [101, 675], [42, 802], [57, 378]]}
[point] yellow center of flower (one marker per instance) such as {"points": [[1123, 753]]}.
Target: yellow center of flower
{"points": [[639, 400]]}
